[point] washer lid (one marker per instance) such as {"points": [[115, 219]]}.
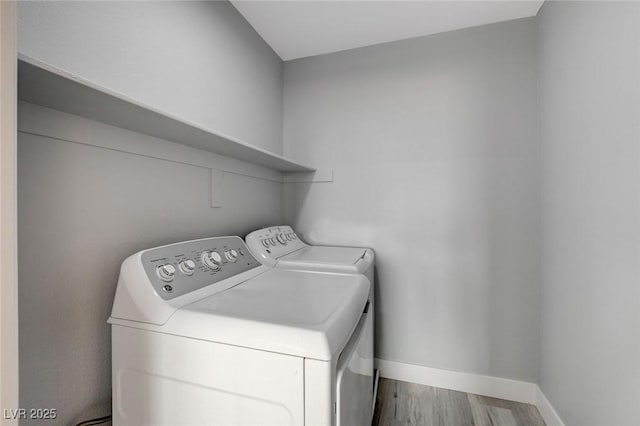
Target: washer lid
{"points": [[306, 314]]}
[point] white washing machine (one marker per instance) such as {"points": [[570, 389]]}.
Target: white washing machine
{"points": [[202, 334], [281, 248]]}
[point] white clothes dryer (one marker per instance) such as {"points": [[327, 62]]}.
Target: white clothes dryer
{"points": [[281, 248], [202, 334]]}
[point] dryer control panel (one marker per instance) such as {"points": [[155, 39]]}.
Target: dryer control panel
{"points": [[269, 244], [181, 268]]}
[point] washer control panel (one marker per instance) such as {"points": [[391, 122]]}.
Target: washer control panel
{"points": [[178, 269], [269, 244]]}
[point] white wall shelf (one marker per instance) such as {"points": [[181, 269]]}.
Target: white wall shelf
{"points": [[47, 86]]}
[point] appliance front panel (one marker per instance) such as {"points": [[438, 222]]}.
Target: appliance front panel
{"points": [[355, 380], [193, 382]]}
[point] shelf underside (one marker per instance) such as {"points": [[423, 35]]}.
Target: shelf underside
{"points": [[41, 85]]}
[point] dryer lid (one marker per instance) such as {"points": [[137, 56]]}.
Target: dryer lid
{"points": [[306, 314], [326, 255]]}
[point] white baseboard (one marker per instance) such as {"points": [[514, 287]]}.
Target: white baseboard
{"points": [[548, 413], [495, 387]]}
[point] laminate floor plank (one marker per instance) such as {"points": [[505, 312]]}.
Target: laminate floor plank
{"points": [[527, 415], [479, 411], [491, 414], [524, 414], [452, 408], [401, 404], [385, 410], [414, 404]]}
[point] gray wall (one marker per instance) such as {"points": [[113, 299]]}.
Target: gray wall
{"points": [[435, 153], [435, 146], [83, 209], [200, 61], [589, 75]]}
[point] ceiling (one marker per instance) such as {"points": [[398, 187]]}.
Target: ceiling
{"points": [[296, 29]]}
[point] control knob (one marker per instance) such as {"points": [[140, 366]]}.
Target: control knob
{"points": [[166, 272], [282, 239], [212, 259], [187, 267], [231, 255]]}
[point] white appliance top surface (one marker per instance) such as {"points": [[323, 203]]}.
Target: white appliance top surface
{"points": [[326, 255], [306, 314]]}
